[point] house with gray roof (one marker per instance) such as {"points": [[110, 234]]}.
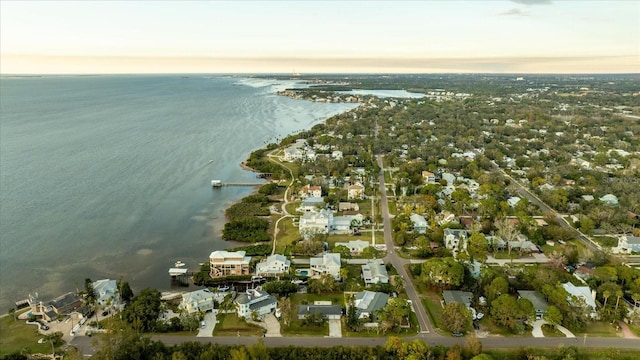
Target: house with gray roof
{"points": [[254, 300], [332, 312], [327, 264], [420, 224], [355, 246], [455, 240], [368, 302], [196, 301], [627, 244], [463, 297], [375, 272]]}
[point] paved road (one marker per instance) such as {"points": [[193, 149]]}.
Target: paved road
{"points": [[398, 262], [524, 192]]}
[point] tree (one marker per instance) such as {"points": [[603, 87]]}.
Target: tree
{"points": [[553, 316], [370, 253], [456, 317], [443, 272], [478, 246], [90, 294], [498, 286], [12, 312], [393, 314], [325, 284], [126, 294], [144, 309], [344, 251], [315, 318], [506, 312], [352, 321]]}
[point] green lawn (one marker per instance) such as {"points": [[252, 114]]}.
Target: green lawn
{"points": [[231, 325], [287, 234], [551, 331], [16, 336], [599, 329]]}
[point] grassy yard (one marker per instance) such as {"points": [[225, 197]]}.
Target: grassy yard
{"points": [[292, 206], [551, 331], [231, 325], [16, 336], [296, 327], [599, 329], [287, 234]]}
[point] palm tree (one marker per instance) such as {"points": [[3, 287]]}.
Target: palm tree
{"points": [[606, 295], [618, 296]]}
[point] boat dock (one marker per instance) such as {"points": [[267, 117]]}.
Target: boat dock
{"points": [[219, 183]]}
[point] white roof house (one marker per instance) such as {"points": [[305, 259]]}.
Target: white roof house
{"points": [[255, 300], [420, 224], [583, 293], [336, 154], [225, 263], [455, 239], [196, 301], [315, 222], [105, 289], [513, 201], [327, 264], [355, 246], [273, 265], [610, 199], [627, 244], [292, 154], [374, 272]]}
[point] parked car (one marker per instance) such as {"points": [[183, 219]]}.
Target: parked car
{"points": [[203, 324]]}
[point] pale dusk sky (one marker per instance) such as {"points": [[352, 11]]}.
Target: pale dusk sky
{"points": [[501, 36]]}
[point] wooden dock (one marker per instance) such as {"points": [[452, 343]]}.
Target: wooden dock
{"points": [[218, 184]]}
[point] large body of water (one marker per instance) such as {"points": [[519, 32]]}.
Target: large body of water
{"points": [[109, 176]]}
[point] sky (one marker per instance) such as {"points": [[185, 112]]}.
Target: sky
{"points": [[500, 36]]}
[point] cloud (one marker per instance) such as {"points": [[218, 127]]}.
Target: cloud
{"points": [[514, 12], [532, 2]]}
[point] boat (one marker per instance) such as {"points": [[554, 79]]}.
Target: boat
{"points": [[179, 264]]}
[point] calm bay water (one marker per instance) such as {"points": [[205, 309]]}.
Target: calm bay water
{"points": [[109, 176]]}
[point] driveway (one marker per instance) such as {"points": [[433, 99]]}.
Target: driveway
{"points": [[272, 325], [210, 320], [335, 328], [537, 329]]}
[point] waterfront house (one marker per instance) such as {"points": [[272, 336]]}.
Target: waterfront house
{"points": [[226, 263], [256, 302], [355, 246], [327, 264], [196, 301], [293, 154], [332, 312], [420, 224], [273, 265], [375, 272], [60, 306], [105, 291]]}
